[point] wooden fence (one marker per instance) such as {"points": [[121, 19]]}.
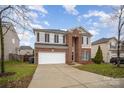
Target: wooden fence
{"points": [[24, 58]]}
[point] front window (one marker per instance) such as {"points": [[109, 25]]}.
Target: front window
{"points": [[86, 55], [72, 56], [46, 37], [13, 41], [56, 38], [63, 39], [112, 45]]}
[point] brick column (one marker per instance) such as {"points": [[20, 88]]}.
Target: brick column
{"points": [[36, 56], [69, 50], [79, 48]]}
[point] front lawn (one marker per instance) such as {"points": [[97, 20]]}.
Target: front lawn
{"points": [[103, 69], [22, 77]]}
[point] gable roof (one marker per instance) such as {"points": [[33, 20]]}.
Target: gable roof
{"points": [[25, 47], [50, 30], [11, 28], [84, 31], [102, 40]]}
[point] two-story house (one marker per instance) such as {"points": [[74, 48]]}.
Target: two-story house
{"points": [[55, 46], [11, 40], [25, 50], [108, 47]]}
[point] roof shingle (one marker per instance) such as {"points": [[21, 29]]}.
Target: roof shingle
{"points": [[102, 40], [25, 47]]}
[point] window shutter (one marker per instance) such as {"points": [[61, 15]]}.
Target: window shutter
{"points": [[87, 41], [82, 40], [37, 36], [63, 39]]}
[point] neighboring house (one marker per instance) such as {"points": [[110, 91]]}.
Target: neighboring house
{"points": [[108, 46], [11, 41], [58, 46], [25, 50]]}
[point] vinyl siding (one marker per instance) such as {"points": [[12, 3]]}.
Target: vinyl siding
{"points": [[107, 54], [51, 38], [11, 43], [104, 48], [85, 45]]}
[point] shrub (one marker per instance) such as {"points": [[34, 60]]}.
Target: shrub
{"points": [[98, 59]]}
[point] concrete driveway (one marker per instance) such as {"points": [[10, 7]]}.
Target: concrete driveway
{"points": [[66, 76]]}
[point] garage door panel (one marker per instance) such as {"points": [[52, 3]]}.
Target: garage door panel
{"points": [[51, 57]]}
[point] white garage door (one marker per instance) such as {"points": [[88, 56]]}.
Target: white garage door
{"points": [[51, 57]]}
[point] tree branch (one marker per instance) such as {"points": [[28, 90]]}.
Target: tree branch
{"points": [[121, 25], [7, 29], [5, 9], [13, 21]]}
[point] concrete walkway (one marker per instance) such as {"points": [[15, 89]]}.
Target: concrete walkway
{"points": [[65, 76]]}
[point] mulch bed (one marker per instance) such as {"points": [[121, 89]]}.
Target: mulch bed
{"points": [[7, 74], [22, 83]]}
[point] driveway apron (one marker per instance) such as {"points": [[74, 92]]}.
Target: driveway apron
{"points": [[66, 76]]}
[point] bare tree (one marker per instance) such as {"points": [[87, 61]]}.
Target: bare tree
{"points": [[17, 15], [120, 26], [119, 16]]}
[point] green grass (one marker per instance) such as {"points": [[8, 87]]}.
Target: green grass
{"points": [[104, 69], [22, 70]]}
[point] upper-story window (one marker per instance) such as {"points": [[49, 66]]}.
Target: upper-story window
{"points": [[13, 41], [56, 38], [87, 41], [64, 39], [112, 45], [82, 40], [46, 37], [37, 36]]}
